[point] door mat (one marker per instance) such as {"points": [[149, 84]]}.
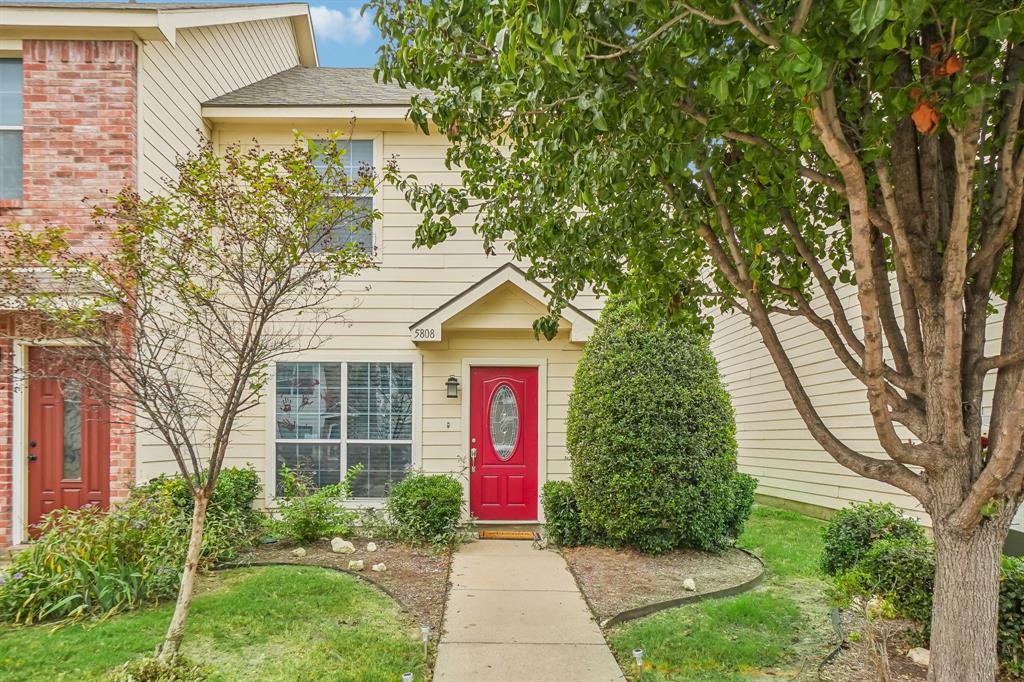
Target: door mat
{"points": [[507, 535]]}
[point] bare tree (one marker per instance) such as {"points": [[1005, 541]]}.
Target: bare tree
{"points": [[203, 286]]}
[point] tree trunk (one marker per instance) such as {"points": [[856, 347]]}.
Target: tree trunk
{"points": [[176, 630], [966, 603]]}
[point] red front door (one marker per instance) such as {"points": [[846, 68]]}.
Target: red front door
{"points": [[68, 434], [503, 435]]}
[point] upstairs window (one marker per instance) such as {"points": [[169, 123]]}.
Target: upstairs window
{"points": [[358, 159], [10, 129]]}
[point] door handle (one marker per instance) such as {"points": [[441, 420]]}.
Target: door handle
{"points": [[32, 457], [472, 460]]}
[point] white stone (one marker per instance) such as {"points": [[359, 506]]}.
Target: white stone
{"points": [[355, 565], [340, 546], [689, 585], [371, 546], [919, 656], [379, 568], [299, 552]]}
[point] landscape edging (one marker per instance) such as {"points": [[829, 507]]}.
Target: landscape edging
{"points": [[648, 609]]}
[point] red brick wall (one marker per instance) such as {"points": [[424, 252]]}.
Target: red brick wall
{"points": [[80, 132]]}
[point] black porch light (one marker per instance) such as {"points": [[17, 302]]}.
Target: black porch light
{"points": [[453, 387]]}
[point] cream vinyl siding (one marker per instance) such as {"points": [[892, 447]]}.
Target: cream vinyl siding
{"points": [[205, 62], [774, 444], [409, 284]]}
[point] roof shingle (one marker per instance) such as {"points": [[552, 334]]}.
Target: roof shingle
{"points": [[308, 86]]}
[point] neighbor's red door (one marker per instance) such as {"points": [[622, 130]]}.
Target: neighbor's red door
{"points": [[68, 433], [503, 435]]}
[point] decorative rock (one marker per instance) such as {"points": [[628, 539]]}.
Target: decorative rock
{"points": [[919, 656], [355, 565], [379, 568], [340, 546], [689, 585], [299, 552], [371, 546]]}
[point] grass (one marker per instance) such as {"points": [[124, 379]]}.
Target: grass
{"points": [[272, 623], [774, 631]]}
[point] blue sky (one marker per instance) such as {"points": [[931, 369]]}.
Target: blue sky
{"points": [[343, 36]]}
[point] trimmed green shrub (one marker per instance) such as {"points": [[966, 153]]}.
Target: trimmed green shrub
{"points": [[309, 514], [651, 436], [1011, 616], [902, 570], [426, 509], [562, 515], [852, 531]]}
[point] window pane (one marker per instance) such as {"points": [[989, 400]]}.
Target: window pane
{"points": [[384, 465], [318, 463], [354, 229], [379, 409], [379, 401], [308, 400], [10, 92], [10, 164], [72, 431], [358, 156]]}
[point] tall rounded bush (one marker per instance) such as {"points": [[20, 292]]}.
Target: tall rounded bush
{"points": [[652, 438]]}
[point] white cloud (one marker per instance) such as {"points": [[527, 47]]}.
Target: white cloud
{"points": [[341, 26]]}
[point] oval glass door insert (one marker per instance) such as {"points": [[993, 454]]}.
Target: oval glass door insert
{"points": [[504, 422]]}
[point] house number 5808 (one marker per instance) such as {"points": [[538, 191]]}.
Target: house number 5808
{"points": [[424, 333]]}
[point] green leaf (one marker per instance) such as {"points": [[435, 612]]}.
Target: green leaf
{"points": [[999, 28], [870, 14]]}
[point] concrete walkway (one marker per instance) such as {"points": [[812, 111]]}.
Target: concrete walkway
{"points": [[515, 614]]}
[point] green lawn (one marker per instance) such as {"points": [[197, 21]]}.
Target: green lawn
{"points": [[772, 632], [273, 623]]}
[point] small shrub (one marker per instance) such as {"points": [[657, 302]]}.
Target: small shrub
{"points": [[652, 438], [852, 531], [309, 514], [152, 669], [562, 515], [426, 509], [236, 490], [903, 571], [231, 522], [88, 561], [92, 562], [1011, 616]]}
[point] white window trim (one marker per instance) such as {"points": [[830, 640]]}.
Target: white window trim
{"points": [[378, 200], [21, 129], [342, 358]]}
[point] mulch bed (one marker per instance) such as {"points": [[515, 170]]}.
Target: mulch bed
{"points": [[614, 580], [416, 577]]}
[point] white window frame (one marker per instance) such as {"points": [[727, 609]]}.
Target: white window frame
{"points": [[377, 230], [343, 359], [21, 129]]}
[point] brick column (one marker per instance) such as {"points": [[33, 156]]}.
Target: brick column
{"points": [[80, 140]]}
